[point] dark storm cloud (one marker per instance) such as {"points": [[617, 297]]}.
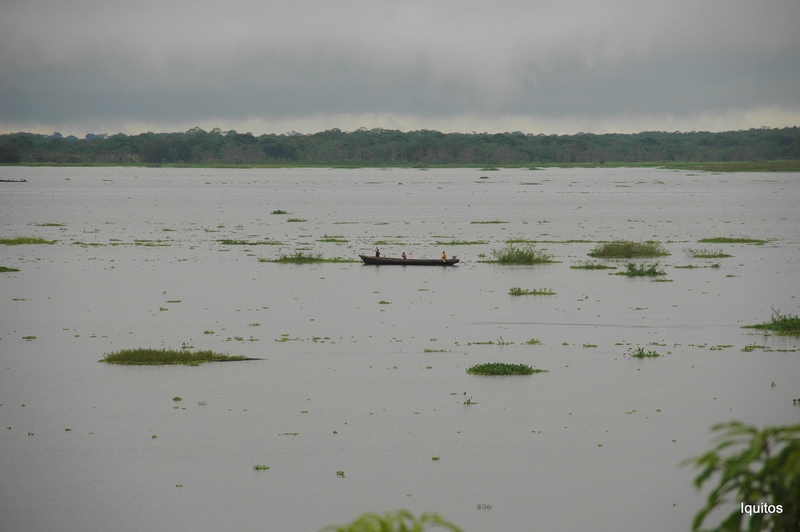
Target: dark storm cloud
{"points": [[178, 62]]}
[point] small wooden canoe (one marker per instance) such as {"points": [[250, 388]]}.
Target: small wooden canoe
{"points": [[389, 261]]}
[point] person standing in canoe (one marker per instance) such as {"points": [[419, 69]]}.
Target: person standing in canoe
{"points": [[444, 256], [377, 252], [404, 256]]}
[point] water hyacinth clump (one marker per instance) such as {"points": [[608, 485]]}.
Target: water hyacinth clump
{"points": [[780, 324], [643, 270], [501, 368], [626, 249], [526, 254], [161, 357]]}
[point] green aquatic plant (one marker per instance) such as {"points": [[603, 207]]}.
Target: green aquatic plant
{"points": [[759, 470], [490, 222], [501, 368], [460, 242], [729, 240], [260, 467], [517, 291], [525, 254], [176, 398], [639, 352], [160, 357], [533, 341], [296, 220], [780, 324], [22, 240], [231, 242], [336, 239], [303, 257], [626, 249], [6, 269], [591, 265], [279, 212], [643, 270], [705, 254]]}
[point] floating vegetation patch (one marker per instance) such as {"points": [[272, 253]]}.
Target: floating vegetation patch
{"points": [[296, 220], [517, 291], [303, 257], [260, 467], [729, 240], [490, 222], [22, 240], [627, 249], [501, 368], [50, 225], [780, 324], [461, 243], [230, 242], [335, 239], [526, 254], [693, 266], [279, 212], [6, 269], [161, 357], [639, 352], [527, 241], [591, 265], [533, 341], [642, 270], [705, 254]]}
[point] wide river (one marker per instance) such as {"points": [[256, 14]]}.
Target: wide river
{"points": [[361, 401]]}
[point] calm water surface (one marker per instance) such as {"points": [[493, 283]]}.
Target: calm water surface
{"points": [[363, 367]]}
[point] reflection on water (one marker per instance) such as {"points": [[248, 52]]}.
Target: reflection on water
{"points": [[364, 367]]}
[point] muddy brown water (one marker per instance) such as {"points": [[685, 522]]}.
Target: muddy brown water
{"points": [[363, 367]]}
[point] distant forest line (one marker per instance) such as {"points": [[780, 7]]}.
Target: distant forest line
{"points": [[383, 147]]}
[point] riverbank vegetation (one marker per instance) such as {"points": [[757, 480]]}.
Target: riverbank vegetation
{"points": [[762, 149], [161, 357]]}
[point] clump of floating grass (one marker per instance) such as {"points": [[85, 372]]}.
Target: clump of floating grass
{"points": [[5, 269], [780, 324], [626, 249], [517, 291], [231, 242], [303, 257], [705, 254], [22, 240], [161, 357], [461, 242], [279, 212], [296, 220], [526, 254], [591, 265], [335, 239], [730, 240], [641, 353], [501, 368], [490, 222], [533, 341], [643, 270], [260, 467]]}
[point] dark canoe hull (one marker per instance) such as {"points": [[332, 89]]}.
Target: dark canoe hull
{"points": [[387, 261]]}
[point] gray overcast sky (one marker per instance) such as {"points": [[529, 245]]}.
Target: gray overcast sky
{"points": [[270, 66]]}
